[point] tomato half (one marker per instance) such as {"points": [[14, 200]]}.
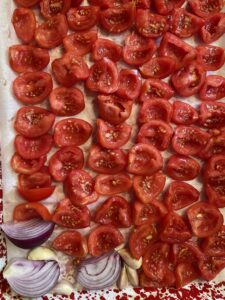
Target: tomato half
{"points": [[215, 190], [216, 145], [75, 3], [214, 245], [83, 17], [185, 273], [51, 8], [129, 84], [33, 148], [104, 238], [205, 8], [79, 188], [71, 243], [106, 48], [28, 211], [27, 3], [71, 132], [70, 216], [211, 266], [106, 161], [64, 161], [32, 87], [210, 57], [144, 159], [27, 166], [183, 113], [141, 238], [180, 167], [167, 281], [111, 184], [213, 88], [114, 211], [187, 252], [26, 58], [158, 67], [212, 115], [213, 29], [164, 7]]}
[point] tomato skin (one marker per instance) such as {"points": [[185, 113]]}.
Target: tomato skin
{"points": [[155, 88], [32, 87], [27, 3], [33, 121], [80, 42], [213, 88], [148, 188], [213, 29], [112, 136], [103, 239], [144, 159], [65, 160], [26, 58], [129, 84], [50, 9], [114, 211], [28, 211], [27, 166], [141, 238], [184, 114], [205, 9], [157, 133], [205, 219], [214, 245], [33, 148], [51, 33], [75, 3], [210, 267], [180, 194], [35, 195], [105, 161], [106, 48], [158, 67], [114, 109], [164, 7], [70, 216], [210, 57], [83, 17], [189, 140], [180, 167], [185, 273], [71, 132], [148, 213], [212, 115], [156, 109], [103, 77]]}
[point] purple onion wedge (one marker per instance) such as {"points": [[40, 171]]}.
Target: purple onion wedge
{"points": [[99, 273], [28, 234]]}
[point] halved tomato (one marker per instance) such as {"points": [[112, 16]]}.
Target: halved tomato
{"points": [[183, 113], [213, 88], [27, 166], [129, 84], [28, 211], [106, 48], [205, 8], [214, 245], [168, 281], [164, 7], [214, 28], [212, 115], [187, 252], [83, 17], [211, 266], [216, 145], [185, 273], [27, 3], [210, 57], [51, 8]]}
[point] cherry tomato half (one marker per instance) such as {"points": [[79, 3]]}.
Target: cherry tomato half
{"points": [[28, 211], [27, 166], [210, 57], [183, 113], [83, 17], [214, 245], [214, 28], [51, 8], [212, 114], [213, 88], [205, 8], [106, 48], [129, 84]]}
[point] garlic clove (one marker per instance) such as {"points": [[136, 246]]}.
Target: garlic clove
{"points": [[123, 279], [63, 287], [129, 260], [132, 276], [118, 248], [42, 253]]}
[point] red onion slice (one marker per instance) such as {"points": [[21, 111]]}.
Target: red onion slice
{"points": [[31, 278], [28, 234], [99, 273]]}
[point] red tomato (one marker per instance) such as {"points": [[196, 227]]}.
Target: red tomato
{"points": [[214, 28], [150, 25], [211, 266], [79, 187], [27, 166], [33, 148], [112, 136], [106, 48], [24, 58], [27, 3], [180, 167], [32, 87], [183, 113], [116, 20], [70, 216], [158, 67], [141, 238], [155, 88], [69, 69], [80, 42], [33, 121], [144, 159], [51, 33], [210, 57], [36, 180], [114, 109], [187, 252], [189, 79], [205, 219], [156, 109], [175, 48], [213, 88], [64, 161], [185, 24], [157, 133], [185, 273], [24, 24], [146, 282], [180, 194], [66, 101], [214, 167], [148, 213], [216, 145], [103, 77], [71, 243], [75, 3], [104, 238], [212, 114], [205, 8], [138, 49], [111, 184], [148, 188], [28, 211], [120, 3], [215, 190], [129, 84], [71, 132], [189, 140], [106, 161], [114, 211], [51, 8], [82, 17], [214, 245]]}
